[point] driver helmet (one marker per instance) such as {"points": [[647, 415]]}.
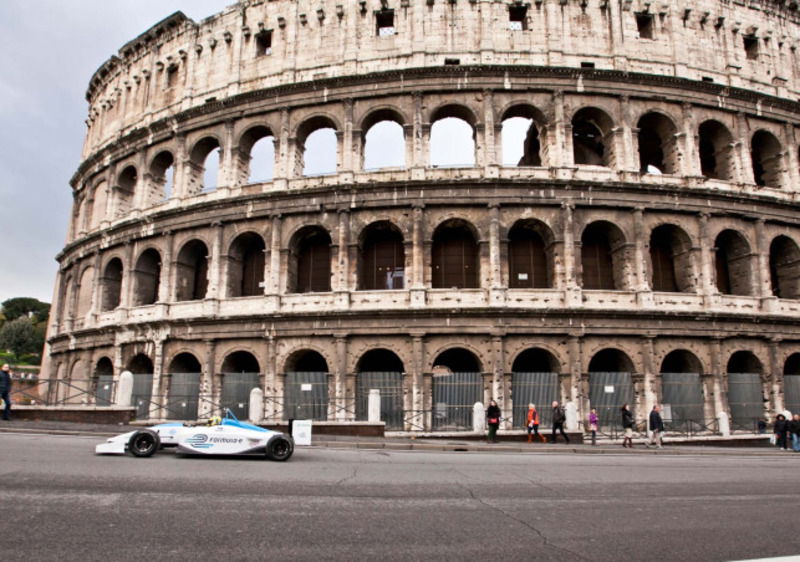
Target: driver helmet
{"points": [[214, 420]]}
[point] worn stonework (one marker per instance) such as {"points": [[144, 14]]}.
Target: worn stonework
{"points": [[656, 200]]}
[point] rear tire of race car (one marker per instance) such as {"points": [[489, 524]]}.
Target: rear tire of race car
{"points": [[279, 449], [144, 443]]}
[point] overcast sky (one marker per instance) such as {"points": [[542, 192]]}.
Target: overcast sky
{"points": [[49, 50]]}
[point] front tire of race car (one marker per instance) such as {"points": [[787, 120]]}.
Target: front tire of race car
{"points": [[280, 449], [144, 443]]}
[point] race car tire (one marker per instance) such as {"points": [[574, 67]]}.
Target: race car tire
{"points": [[280, 449], [144, 443]]}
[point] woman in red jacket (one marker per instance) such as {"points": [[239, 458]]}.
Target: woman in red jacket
{"points": [[533, 424]]}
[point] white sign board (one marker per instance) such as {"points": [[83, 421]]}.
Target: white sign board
{"points": [[608, 389], [305, 387], [301, 432]]}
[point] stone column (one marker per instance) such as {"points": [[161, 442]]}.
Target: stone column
{"points": [[572, 294], [652, 387], [273, 383], [215, 269], [720, 379], [418, 161], [158, 399], [417, 286], [347, 160], [342, 265], [497, 291], [690, 165], [644, 294], [227, 176], [166, 285], [708, 286], [206, 407], [416, 419], [488, 159], [282, 153], [762, 281], [499, 385], [339, 409], [743, 165], [792, 172], [126, 297], [560, 154], [574, 383], [775, 380], [180, 174], [273, 278]]}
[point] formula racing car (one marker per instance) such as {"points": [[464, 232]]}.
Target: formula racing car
{"points": [[219, 436]]}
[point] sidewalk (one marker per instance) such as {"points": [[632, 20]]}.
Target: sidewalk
{"points": [[410, 443]]}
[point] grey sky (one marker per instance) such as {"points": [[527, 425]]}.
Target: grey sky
{"points": [[49, 50]]}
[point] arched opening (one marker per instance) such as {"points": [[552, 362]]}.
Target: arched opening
{"points": [[384, 141], [98, 204], [382, 370], [141, 367], [766, 153], [658, 151], [671, 260], [791, 383], [146, 278], [452, 138], [715, 144], [256, 156], [317, 147], [682, 390], [454, 256], [246, 266], [383, 258], [610, 385], [79, 384], [745, 392], [530, 255], [591, 143], [240, 374], [310, 261], [184, 387], [111, 285], [520, 134], [84, 303], [732, 262], [784, 268], [103, 382], [306, 386], [162, 174], [204, 159], [457, 386], [123, 193], [603, 257], [534, 380], [192, 271]]}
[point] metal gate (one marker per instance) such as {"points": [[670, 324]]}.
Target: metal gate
{"points": [[540, 389], [184, 394], [390, 386], [682, 397], [236, 389], [454, 395], [745, 399], [306, 396], [103, 391], [142, 395], [607, 393], [791, 393]]}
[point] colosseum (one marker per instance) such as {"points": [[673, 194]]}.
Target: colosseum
{"points": [[592, 201]]}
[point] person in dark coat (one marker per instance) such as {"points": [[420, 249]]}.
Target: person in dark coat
{"points": [[493, 421], [5, 390], [780, 429], [627, 425], [794, 431], [656, 426], [559, 418]]}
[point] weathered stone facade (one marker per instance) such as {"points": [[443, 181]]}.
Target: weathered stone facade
{"points": [[650, 227]]}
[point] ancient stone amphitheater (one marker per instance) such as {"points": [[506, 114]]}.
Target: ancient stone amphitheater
{"points": [[593, 201]]}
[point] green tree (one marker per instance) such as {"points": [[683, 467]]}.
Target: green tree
{"points": [[20, 336], [22, 306]]}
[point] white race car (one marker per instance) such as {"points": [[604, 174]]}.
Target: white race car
{"points": [[220, 436]]}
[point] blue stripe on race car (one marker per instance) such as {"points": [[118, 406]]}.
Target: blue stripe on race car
{"points": [[199, 441], [243, 425]]}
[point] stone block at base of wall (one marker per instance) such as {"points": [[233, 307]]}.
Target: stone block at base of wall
{"points": [[77, 414], [351, 429]]}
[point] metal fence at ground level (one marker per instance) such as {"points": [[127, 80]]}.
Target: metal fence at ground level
{"points": [[454, 395], [183, 396], [608, 391], [745, 398], [540, 389], [390, 385], [682, 398], [306, 396], [236, 388]]}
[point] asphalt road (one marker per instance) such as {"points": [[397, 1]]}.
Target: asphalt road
{"points": [[58, 501]]}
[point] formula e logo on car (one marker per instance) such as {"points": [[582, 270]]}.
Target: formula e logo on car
{"points": [[199, 441]]}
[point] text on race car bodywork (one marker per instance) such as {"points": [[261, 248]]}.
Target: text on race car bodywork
{"points": [[227, 436]]}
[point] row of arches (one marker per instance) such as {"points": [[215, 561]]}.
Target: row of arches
{"points": [[458, 382], [524, 133], [382, 262]]}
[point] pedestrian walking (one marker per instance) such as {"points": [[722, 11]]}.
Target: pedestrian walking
{"points": [[627, 425], [794, 431], [593, 425], [493, 421], [780, 429], [533, 424], [656, 427], [5, 390], [559, 417]]}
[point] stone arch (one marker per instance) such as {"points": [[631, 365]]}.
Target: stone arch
{"points": [[98, 204], [162, 178], [592, 140], [383, 127], [205, 162], [125, 190], [455, 259], [256, 155], [147, 277], [317, 139], [611, 360], [784, 267], [246, 257], [452, 136], [457, 359], [715, 147], [84, 301], [682, 388], [658, 150], [306, 360], [380, 359], [671, 266], [184, 362], [240, 362], [681, 361], [528, 123], [309, 268], [604, 257], [745, 373], [140, 364], [610, 368], [381, 257], [766, 154], [732, 260], [530, 255], [111, 285], [191, 275], [536, 360]]}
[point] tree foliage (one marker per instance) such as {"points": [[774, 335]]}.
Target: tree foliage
{"points": [[20, 336], [22, 306]]}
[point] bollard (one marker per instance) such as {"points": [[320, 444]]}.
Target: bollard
{"points": [[571, 410], [256, 410], [724, 424], [374, 405], [478, 418], [125, 389]]}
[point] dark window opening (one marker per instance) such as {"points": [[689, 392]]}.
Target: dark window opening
{"points": [[518, 18], [112, 285], [264, 43], [246, 266], [384, 23], [707, 79], [644, 24], [452, 61], [751, 47], [382, 260], [587, 65], [527, 260], [314, 263], [146, 278], [454, 258], [587, 141], [663, 263], [192, 272], [172, 75]]}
